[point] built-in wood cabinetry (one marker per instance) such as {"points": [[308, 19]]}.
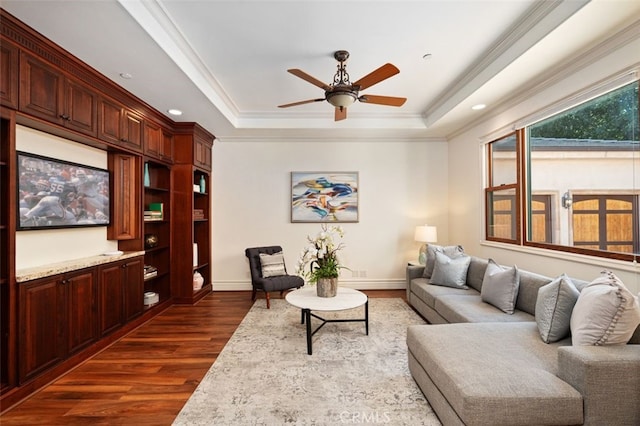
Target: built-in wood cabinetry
{"points": [[119, 125], [157, 230], [49, 324], [125, 219], [9, 77], [120, 293], [47, 93], [191, 185], [8, 305], [57, 318]]}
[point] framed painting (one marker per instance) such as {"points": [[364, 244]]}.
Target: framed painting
{"points": [[324, 197]]}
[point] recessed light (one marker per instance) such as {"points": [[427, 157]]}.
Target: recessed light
{"points": [[478, 107], [126, 75], [426, 56], [174, 111]]}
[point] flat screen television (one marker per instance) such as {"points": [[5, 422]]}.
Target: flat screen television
{"points": [[54, 193]]}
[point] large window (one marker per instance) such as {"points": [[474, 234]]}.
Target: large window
{"points": [[582, 182]]}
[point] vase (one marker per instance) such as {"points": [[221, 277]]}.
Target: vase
{"points": [[147, 182], [327, 287]]}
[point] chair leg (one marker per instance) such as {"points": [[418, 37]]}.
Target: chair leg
{"points": [[253, 295], [266, 294]]}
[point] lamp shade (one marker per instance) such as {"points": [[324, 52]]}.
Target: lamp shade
{"points": [[426, 234]]}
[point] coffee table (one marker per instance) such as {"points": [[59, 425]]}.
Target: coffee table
{"points": [[307, 300]]}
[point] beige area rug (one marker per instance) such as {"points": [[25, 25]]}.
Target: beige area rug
{"points": [[265, 377]]}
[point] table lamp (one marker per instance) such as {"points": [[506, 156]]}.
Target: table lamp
{"points": [[425, 234]]}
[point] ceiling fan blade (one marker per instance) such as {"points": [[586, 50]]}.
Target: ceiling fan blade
{"points": [[374, 77], [341, 113], [309, 101], [306, 77], [382, 100]]}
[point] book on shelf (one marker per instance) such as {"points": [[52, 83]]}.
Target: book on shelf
{"points": [[155, 212], [198, 214], [150, 271]]}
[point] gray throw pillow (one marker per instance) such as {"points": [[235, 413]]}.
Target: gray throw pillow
{"points": [[432, 249], [500, 286], [450, 272], [554, 306], [606, 313], [272, 265]]}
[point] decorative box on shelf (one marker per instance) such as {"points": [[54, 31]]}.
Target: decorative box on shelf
{"points": [[150, 272], [151, 298]]}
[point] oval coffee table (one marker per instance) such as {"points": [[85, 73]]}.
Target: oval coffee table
{"points": [[307, 299]]}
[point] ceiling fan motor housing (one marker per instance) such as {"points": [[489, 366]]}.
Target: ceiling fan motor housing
{"points": [[341, 95]]}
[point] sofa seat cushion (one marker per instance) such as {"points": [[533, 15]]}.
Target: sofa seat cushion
{"points": [[496, 373], [429, 292], [470, 308]]}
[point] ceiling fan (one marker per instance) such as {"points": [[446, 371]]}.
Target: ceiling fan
{"points": [[342, 93]]}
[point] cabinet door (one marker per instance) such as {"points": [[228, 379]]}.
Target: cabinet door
{"points": [[41, 89], [125, 214], [132, 130], [152, 140], [111, 296], [82, 317], [202, 154], [81, 108], [42, 317], [109, 121], [9, 78], [166, 152], [133, 288]]}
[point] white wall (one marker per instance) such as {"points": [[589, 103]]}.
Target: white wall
{"points": [[402, 184], [466, 225], [37, 248]]}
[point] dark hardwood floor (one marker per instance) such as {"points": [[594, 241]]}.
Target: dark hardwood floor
{"points": [[146, 377]]}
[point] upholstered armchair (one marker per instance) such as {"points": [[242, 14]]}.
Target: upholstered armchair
{"points": [[268, 272]]}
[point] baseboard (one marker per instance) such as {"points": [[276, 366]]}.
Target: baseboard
{"points": [[358, 284]]}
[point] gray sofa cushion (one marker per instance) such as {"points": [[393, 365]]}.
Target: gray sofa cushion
{"points": [[500, 286], [429, 292], [553, 308], [432, 249], [512, 378], [470, 308], [475, 273], [450, 271]]}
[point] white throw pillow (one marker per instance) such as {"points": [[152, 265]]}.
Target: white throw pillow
{"points": [[450, 272], [606, 313], [500, 286], [554, 306], [272, 265]]}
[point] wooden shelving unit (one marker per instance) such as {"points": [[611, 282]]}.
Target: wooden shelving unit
{"points": [[192, 156], [7, 251], [158, 254]]}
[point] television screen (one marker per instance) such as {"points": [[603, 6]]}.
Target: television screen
{"points": [[54, 193]]}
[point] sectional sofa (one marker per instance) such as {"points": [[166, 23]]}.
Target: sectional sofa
{"points": [[479, 365]]}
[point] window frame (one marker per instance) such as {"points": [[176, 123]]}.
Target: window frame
{"points": [[523, 194]]}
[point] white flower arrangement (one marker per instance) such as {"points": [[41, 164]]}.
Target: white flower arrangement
{"points": [[320, 259]]}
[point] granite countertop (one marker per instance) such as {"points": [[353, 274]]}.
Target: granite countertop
{"points": [[28, 274]]}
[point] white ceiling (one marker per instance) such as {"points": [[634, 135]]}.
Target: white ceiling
{"points": [[224, 62]]}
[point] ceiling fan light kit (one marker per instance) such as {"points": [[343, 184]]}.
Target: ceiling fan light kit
{"points": [[343, 93]]}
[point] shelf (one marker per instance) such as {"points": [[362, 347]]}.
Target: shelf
{"points": [[156, 189]]}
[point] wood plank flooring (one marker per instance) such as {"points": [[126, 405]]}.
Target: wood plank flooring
{"points": [[146, 377]]}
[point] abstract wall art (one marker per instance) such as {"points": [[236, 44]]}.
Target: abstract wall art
{"points": [[324, 197]]}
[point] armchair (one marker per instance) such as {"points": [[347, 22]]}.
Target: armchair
{"points": [[276, 280]]}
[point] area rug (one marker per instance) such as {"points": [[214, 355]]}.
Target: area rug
{"points": [[264, 376]]}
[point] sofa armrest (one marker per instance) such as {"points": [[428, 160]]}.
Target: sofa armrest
{"points": [[413, 271], [608, 377]]}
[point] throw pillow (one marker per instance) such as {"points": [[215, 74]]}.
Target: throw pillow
{"points": [[554, 306], [450, 272], [432, 249], [606, 313], [272, 265], [500, 286]]}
